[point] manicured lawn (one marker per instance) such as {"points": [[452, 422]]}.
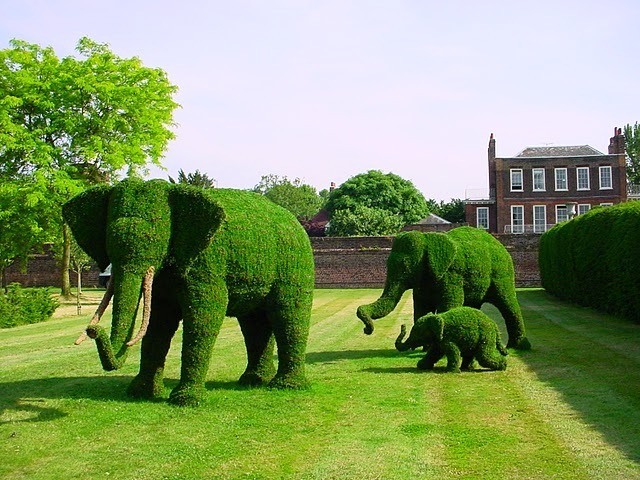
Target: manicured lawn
{"points": [[570, 408]]}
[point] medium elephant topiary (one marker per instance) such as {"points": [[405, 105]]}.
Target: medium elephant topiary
{"points": [[462, 334], [463, 267], [204, 254]]}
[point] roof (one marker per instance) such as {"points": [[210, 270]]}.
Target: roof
{"points": [[559, 151], [432, 219]]}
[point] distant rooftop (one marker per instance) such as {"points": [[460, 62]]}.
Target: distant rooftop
{"points": [[432, 219], [552, 151]]}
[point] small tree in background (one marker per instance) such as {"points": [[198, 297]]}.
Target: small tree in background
{"points": [[632, 146], [390, 202], [299, 198], [79, 262], [452, 211], [197, 179]]}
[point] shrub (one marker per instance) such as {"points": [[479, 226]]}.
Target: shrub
{"points": [[20, 306], [593, 260]]}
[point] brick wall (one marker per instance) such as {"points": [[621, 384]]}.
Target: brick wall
{"points": [[353, 262]]}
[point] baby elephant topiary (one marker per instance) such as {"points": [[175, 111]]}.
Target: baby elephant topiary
{"points": [[462, 334]]}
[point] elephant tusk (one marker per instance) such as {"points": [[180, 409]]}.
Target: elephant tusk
{"points": [[146, 307], [104, 303]]}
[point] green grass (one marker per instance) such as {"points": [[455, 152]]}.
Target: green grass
{"points": [[569, 408]]}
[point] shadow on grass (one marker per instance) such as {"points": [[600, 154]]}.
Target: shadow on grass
{"points": [[592, 361]]}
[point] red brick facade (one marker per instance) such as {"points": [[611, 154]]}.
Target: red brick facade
{"points": [[518, 203]]}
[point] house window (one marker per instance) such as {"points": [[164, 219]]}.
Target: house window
{"points": [[561, 178], [583, 178], [605, 178], [538, 180], [517, 219], [482, 217], [539, 218], [516, 179], [606, 204], [562, 215], [583, 208]]}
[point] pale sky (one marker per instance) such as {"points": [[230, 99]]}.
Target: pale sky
{"points": [[324, 90]]}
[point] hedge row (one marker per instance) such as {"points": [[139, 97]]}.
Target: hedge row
{"points": [[594, 260], [23, 306]]}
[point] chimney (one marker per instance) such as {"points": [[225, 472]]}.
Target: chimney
{"points": [[332, 187], [616, 143], [492, 166]]}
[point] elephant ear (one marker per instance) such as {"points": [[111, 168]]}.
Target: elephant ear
{"points": [[86, 215], [195, 217], [435, 324], [440, 252]]}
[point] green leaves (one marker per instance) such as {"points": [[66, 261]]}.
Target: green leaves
{"points": [[632, 146], [300, 199]]}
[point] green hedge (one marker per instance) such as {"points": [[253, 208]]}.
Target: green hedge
{"points": [[594, 260], [20, 306]]}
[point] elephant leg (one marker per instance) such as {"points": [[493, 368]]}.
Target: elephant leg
{"points": [[490, 358], [290, 323], [206, 306], [432, 357], [259, 341], [454, 359], [505, 300], [467, 362], [165, 317]]}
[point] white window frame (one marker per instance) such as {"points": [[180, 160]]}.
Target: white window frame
{"points": [[556, 171], [535, 171], [601, 170], [482, 225], [588, 184], [583, 208], [514, 186], [606, 204], [514, 224], [537, 227], [566, 213]]}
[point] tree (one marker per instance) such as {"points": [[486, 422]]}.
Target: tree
{"points": [[25, 223], [452, 211], [632, 146], [300, 199], [363, 221], [73, 122], [389, 194], [196, 178]]}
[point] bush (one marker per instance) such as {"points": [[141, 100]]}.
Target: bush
{"points": [[363, 221], [20, 306], [593, 260]]}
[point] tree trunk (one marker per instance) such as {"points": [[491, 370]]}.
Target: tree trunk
{"points": [[3, 278], [66, 260], [79, 291]]}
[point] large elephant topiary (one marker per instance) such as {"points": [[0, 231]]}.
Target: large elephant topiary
{"points": [[204, 254], [463, 267], [462, 334]]}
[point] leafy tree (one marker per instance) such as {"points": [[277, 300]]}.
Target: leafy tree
{"points": [[72, 122], [25, 223], [79, 262], [452, 211], [632, 146], [363, 221], [378, 191], [300, 199], [196, 178]]}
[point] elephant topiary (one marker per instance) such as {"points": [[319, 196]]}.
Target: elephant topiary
{"points": [[204, 254], [463, 267], [462, 334]]}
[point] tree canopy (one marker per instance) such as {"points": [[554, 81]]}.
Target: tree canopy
{"points": [[196, 178], [379, 196], [299, 198], [452, 211], [632, 146], [72, 122]]}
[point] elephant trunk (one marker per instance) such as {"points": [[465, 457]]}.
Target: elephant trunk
{"points": [[402, 347], [127, 290], [380, 308]]}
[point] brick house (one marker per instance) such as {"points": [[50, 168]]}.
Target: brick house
{"points": [[542, 186]]}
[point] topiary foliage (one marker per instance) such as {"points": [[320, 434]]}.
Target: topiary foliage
{"points": [[463, 267], [215, 252], [462, 334], [593, 260]]}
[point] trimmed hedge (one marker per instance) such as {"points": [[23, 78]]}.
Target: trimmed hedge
{"points": [[593, 260], [20, 306]]}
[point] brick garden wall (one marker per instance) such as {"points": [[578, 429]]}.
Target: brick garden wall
{"points": [[341, 262]]}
